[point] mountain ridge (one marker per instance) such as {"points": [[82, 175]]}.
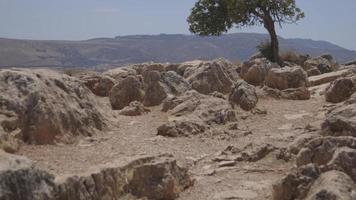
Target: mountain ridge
{"points": [[121, 50]]}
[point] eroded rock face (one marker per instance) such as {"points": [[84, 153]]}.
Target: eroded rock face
{"points": [[144, 178], [126, 91], [287, 77], [43, 106], [208, 77], [340, 90], [255, 71], [244, 95]]}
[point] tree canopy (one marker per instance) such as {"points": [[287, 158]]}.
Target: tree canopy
{"points": [[214, 17]]}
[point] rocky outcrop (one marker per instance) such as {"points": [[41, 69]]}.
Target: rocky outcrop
{"points": [[193, 113], [134, 109], [155, 92], [255, 71], [126, 91], [143, 178], [325, 165], [208, 77], [286, 77], [244, 95], [43, 106], [340, 90]]}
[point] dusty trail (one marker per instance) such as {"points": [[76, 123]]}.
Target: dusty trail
{"points": [[136, 136]]}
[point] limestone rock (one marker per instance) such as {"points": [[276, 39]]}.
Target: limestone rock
{"points": [[341, 121], [181, 128], [42, 106], [301, 93], [119, 74], [126, 91], [156, 177], [325, 65], [340, 90], [174, 83], [296, 184], [244, 95], [217, 75], [155, 92], [100, 85], [286, 77], [19, 180], [192, 113], [134, 109], [255, 71], [332, 185], [328, 77]]}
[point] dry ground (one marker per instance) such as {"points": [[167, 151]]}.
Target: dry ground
{"points": [[136, 136]]}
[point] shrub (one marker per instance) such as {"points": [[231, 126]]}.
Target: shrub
{"points": [[266, 50]]}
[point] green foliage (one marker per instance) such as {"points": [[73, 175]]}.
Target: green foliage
{"points": [[266, 50], [213, 17]]}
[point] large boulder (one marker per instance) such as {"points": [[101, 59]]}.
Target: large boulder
{"points": [[135, 108], [324, 64], [332, 185], [100, 85], [126, 91], [155, 92], [286, 77], [192, 113], [174, 83], [43, 106], [255, 71], [208, 77], [20, 180], [340, 90], [341, 121], [244, 95]]}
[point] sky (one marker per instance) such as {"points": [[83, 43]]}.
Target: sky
{"points": [[330, 20]]}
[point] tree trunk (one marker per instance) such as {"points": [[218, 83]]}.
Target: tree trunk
{"points": [[269, 25]]}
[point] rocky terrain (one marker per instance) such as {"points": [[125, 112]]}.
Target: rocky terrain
{"points": [[195, 130]]}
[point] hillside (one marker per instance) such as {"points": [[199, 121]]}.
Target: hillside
{"points": [[142, 48]]}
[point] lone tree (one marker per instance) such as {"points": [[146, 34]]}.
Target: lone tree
{"points": [[213, 17]]}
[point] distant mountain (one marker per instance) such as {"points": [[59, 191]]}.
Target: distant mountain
{"points": [[142, 48]]}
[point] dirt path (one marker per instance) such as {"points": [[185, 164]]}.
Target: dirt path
{"points": [[136, 136]]}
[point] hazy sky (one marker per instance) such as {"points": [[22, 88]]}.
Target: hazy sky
{"points": [[331, 20]]}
